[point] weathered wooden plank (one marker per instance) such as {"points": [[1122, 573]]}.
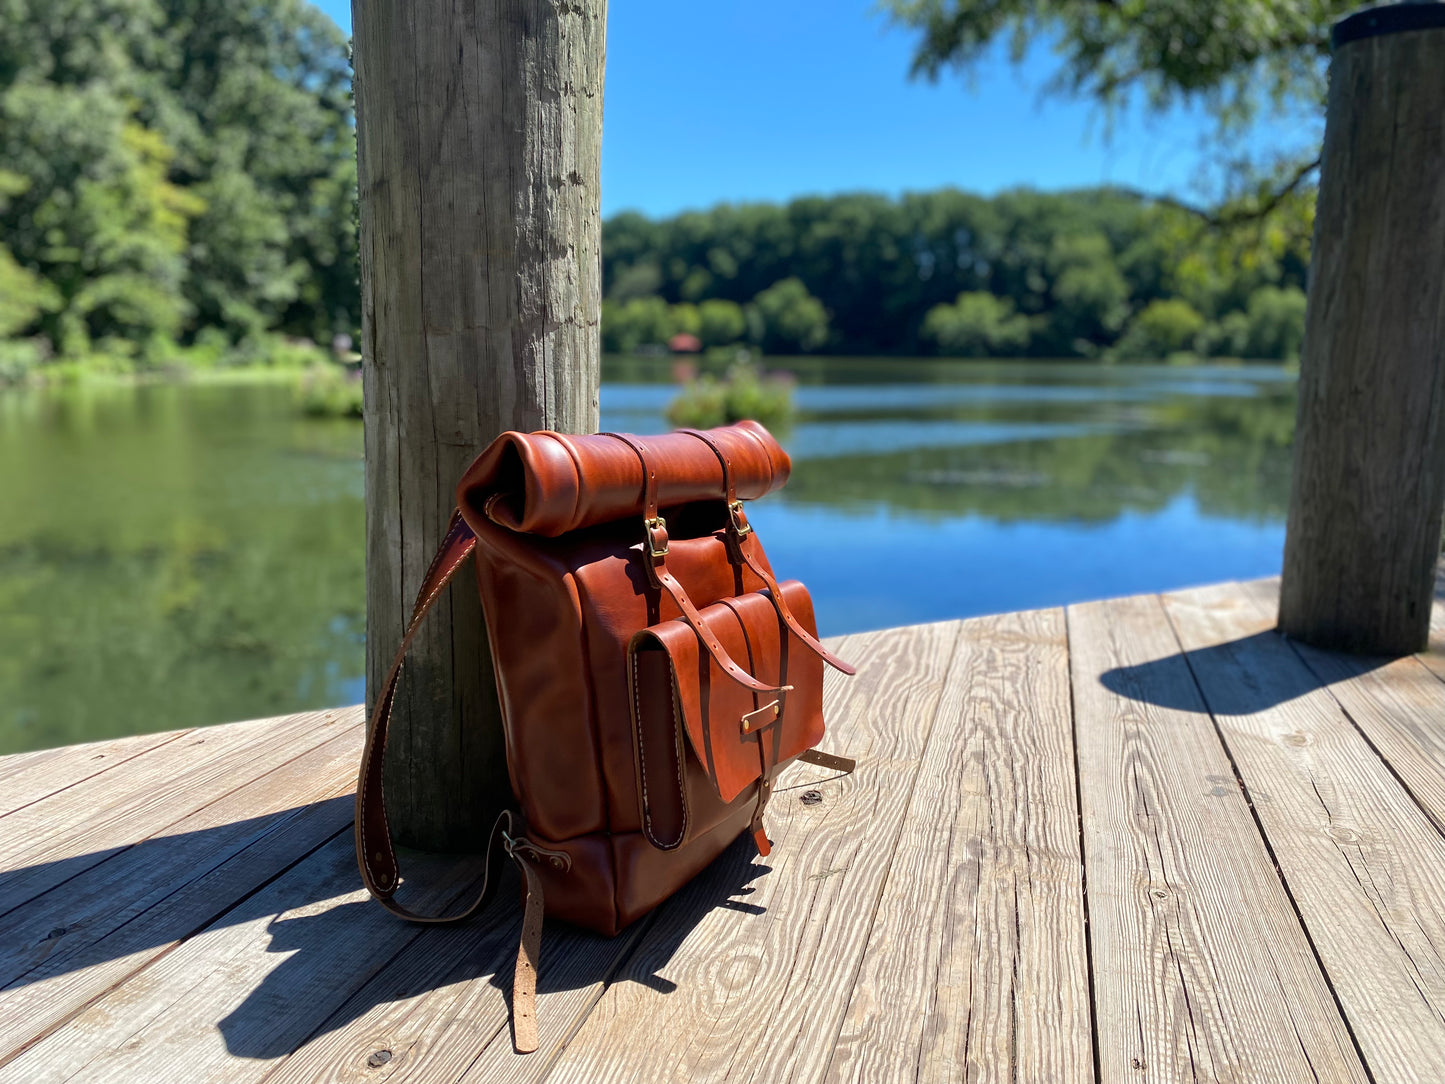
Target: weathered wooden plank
{"points": [[227, 1003], [1364, 865], [1397, 704], [52, 840], [29, 777], [1201, 970], [64, 949], [747, 971], [976, 967]]}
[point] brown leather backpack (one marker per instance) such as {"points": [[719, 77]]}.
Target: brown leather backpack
{"points": [[654, 675]]}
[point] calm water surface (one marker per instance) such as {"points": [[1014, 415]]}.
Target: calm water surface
{"points": [[178, 555]]}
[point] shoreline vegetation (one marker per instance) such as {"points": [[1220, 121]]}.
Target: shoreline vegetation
{"points": [[178, 197]]}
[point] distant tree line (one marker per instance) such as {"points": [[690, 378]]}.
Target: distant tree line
{"points": [[1089, 273], [177, 180], [178, 186]]}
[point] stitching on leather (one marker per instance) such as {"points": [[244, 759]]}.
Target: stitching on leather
{"points": [[677, 752], [381, 722], [642, 758], [441, 550], [437, 590], [641, 748], [576, 590]]}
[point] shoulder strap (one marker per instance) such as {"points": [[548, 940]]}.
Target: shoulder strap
{"points": [[374, 850]]}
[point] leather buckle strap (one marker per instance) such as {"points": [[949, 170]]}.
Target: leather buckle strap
{"points": [[656, 547], [739, 530]]}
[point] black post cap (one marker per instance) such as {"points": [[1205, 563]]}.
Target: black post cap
{"points": [[1388, 19]]}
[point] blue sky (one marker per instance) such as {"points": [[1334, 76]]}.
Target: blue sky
{"points": [[766, 100]]}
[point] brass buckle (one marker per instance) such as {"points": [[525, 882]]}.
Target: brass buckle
{"points": [[656, 523], [739, 519]]}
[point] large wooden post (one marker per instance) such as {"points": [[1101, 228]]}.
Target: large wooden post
{"points": [[479, 130], [1369, 466]]}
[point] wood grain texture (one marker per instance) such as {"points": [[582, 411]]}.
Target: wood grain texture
{"points": [[1201, 970], [52, 840], [1363, 864], [1369, 463], [976, 967], [78, 940], [479, 134], [745, 974], [231, 1001], [29, 777]]}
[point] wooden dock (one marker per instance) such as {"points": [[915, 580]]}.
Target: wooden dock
{"points": [[1136, 840]]}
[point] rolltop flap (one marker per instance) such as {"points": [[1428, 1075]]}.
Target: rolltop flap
{"points": [[547, 484], [683, 700]]}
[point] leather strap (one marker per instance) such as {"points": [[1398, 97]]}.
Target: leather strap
{"points": [[654, 556], [375, 853], [744, 541], [529, 955], [846, 765]]}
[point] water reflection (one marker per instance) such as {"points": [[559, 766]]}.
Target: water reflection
{"points": [[182, 555]]}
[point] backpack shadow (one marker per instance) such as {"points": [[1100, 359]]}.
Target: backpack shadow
{"points": [[344, 964]]}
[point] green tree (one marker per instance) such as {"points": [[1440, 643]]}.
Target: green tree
{"points": [[787, 319], [642, 321], [1091, 298], [977, 325], [97, 218], [185, 164], [1073, 265], [1272, 326], [722, 322], [1162, 329]]}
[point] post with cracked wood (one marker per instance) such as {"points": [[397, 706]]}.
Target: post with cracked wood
{"points": [[479, 130], [1369, 470]]}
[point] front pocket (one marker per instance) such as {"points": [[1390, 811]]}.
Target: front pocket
{"points": [[736, 735]]}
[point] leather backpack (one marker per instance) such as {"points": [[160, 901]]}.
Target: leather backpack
{"points": [[654, 675]]}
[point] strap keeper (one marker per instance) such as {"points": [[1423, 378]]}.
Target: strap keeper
{"points": [[656, 529], [739, 519]]}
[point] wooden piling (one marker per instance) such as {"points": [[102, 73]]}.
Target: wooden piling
{"points": [[1369, 471], [479, 132]]}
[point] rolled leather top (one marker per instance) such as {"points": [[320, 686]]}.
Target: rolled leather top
{"points": [[548, 484]]}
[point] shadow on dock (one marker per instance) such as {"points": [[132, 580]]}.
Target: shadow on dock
{"points": [[237, 896], [1261, 672]]}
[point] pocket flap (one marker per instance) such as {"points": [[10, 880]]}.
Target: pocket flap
{"points": [[734, 733]]}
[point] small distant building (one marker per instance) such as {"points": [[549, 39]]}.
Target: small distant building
{"points": [[683, 343]]}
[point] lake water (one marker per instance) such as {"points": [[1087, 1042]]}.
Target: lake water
{"points": [[184, 554]]}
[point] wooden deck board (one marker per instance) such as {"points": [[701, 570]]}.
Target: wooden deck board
{"points": [[1201, 970], [1364, 865], [28, 777], [976, 966], [89, 934], [1046, 869]]}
